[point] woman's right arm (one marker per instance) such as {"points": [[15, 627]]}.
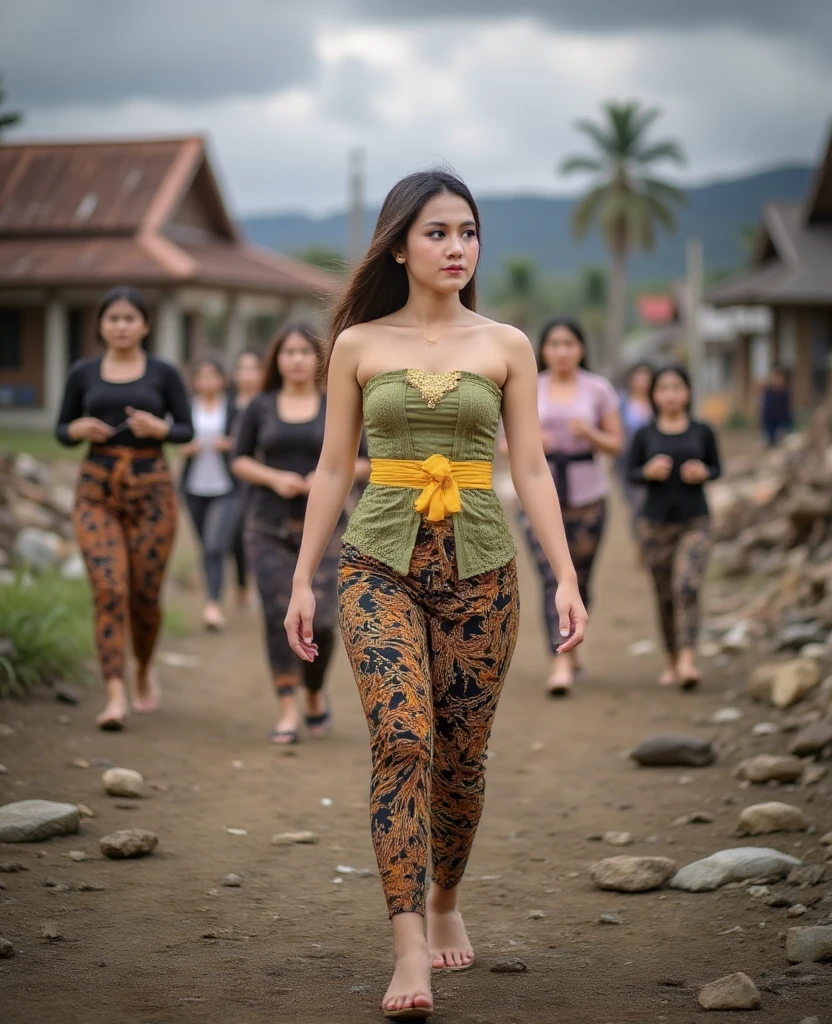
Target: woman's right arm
{"points": [[333, 480], [73, 426], [246, 467]]}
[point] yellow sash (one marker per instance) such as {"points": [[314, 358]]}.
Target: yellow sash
{"points": [[439, 478]]}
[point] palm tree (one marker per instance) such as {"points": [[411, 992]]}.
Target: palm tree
{"points": [[517, 292], [9, 118], [626, 202]]}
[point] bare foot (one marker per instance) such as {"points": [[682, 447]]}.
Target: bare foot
{"points": [[148, 696], [213, 618], [448, 942], [112, 718], [669, 677], [409, 996]]}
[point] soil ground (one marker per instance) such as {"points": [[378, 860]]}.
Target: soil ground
{"points": [[166, 943]]}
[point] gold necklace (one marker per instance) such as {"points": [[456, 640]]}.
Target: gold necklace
{"points": [[433, 341]]}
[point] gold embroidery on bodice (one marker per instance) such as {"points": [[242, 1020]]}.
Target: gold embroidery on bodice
{"points": [[433, 386]]}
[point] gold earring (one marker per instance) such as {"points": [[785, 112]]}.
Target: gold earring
{"points": [[400, 259]]}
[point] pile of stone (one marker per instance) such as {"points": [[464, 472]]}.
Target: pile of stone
{"points": [[772, 518], [36, 504]]}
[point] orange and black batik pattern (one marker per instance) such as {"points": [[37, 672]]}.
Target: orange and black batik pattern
{"points": [[430, 654], [677, 554], [125, 521]]}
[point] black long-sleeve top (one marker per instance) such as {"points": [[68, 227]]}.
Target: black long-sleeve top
{"points": [[160, 391], [672, 500]]}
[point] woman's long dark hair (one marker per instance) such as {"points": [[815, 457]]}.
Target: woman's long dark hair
{"points": [[379, 285], [272, 378], [123, 292], [680, 371], [573, 327]]}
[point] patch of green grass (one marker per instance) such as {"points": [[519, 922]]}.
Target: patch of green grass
{"points": [[46, 632], [176, 622], [42, 444]]}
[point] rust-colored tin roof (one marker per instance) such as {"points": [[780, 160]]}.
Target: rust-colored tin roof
{"points": [[144, 211]]}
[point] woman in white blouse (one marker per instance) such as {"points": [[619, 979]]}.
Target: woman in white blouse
{"points": [[207, 484]]}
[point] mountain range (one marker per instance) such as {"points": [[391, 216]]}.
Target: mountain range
{"points": [[538, 227]]}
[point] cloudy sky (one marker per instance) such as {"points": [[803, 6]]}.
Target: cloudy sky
{"points": [[284, 88]]}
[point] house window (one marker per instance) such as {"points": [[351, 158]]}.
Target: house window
{"points": [[11, 339], [75, 334]]}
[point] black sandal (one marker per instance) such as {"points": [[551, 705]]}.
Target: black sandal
{"points": [[322, 721], [283, 737]]}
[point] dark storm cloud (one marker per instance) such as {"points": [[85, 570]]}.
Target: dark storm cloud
{"points": [[801, 18], [60, 52]]}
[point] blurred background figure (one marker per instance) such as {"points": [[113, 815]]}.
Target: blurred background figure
{"points": [[125, 403], [674, 457], [248, 382], [636, 410], [579, 418], [277, 450], [207, 483], [776, 406]]}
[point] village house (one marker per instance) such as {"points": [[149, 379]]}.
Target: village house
{"points": [[791, 275], [78, 218]]}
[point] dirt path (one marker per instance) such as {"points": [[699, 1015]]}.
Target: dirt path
{"points": [[166, 943]]}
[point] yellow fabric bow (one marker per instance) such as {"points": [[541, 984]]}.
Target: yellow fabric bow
{"points": [[441, 495]]}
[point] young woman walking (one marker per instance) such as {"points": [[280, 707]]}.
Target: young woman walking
{"points": [[126, 404], [674, 457], [578, 420], [277, 450], [428, 602], [248, 382], [636, 410], [207, 482]]}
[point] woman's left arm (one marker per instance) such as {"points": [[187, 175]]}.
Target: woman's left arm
{"points": [[179, 407], [711, 455], [533, 482]]}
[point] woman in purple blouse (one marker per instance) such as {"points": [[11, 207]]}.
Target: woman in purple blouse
{"points": [[579, 417]]}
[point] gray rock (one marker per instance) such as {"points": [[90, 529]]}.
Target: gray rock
{"points": [[812, 739], [51, 932], [807, 875], [809, 945], [610, 919], [232, 881], [30, 821], [618, 838], [29, 468], [826, 840], [74, 568], [770, 768], [766, 729], [734, 865], [809, 1020], [7, 950], [760, 819], [797, 910], [295, 838], [733, 992], [37, 548], [632, 874], [674, 749], [78, 856], [725, 716], [510, 966], [123, 782], [62, 499], [798, 634], [129, 843]]}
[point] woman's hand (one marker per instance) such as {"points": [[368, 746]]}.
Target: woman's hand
{"points": [[658, 468], [572, 615], [288, 485], [308, 480], [89, 428], [694, 472], [298, 623], [187, 451], [223, 444], [145, 424], [582, 428]]}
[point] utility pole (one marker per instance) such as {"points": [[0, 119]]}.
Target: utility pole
{"points": [[694, 286], [355, 240]]}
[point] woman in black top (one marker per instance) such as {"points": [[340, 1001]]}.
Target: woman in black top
{"points": [[674, 457], [277, 450], [126, 404]]}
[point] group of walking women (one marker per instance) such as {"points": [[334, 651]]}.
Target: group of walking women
{"points": [[422, 578]]}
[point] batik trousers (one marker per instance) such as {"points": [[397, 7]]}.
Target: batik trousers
{"points": [[584, 526], [430, 653], [125, 521], [676, 554]]}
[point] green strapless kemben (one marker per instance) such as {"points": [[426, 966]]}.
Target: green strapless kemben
{"points": [[413, 415]]}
